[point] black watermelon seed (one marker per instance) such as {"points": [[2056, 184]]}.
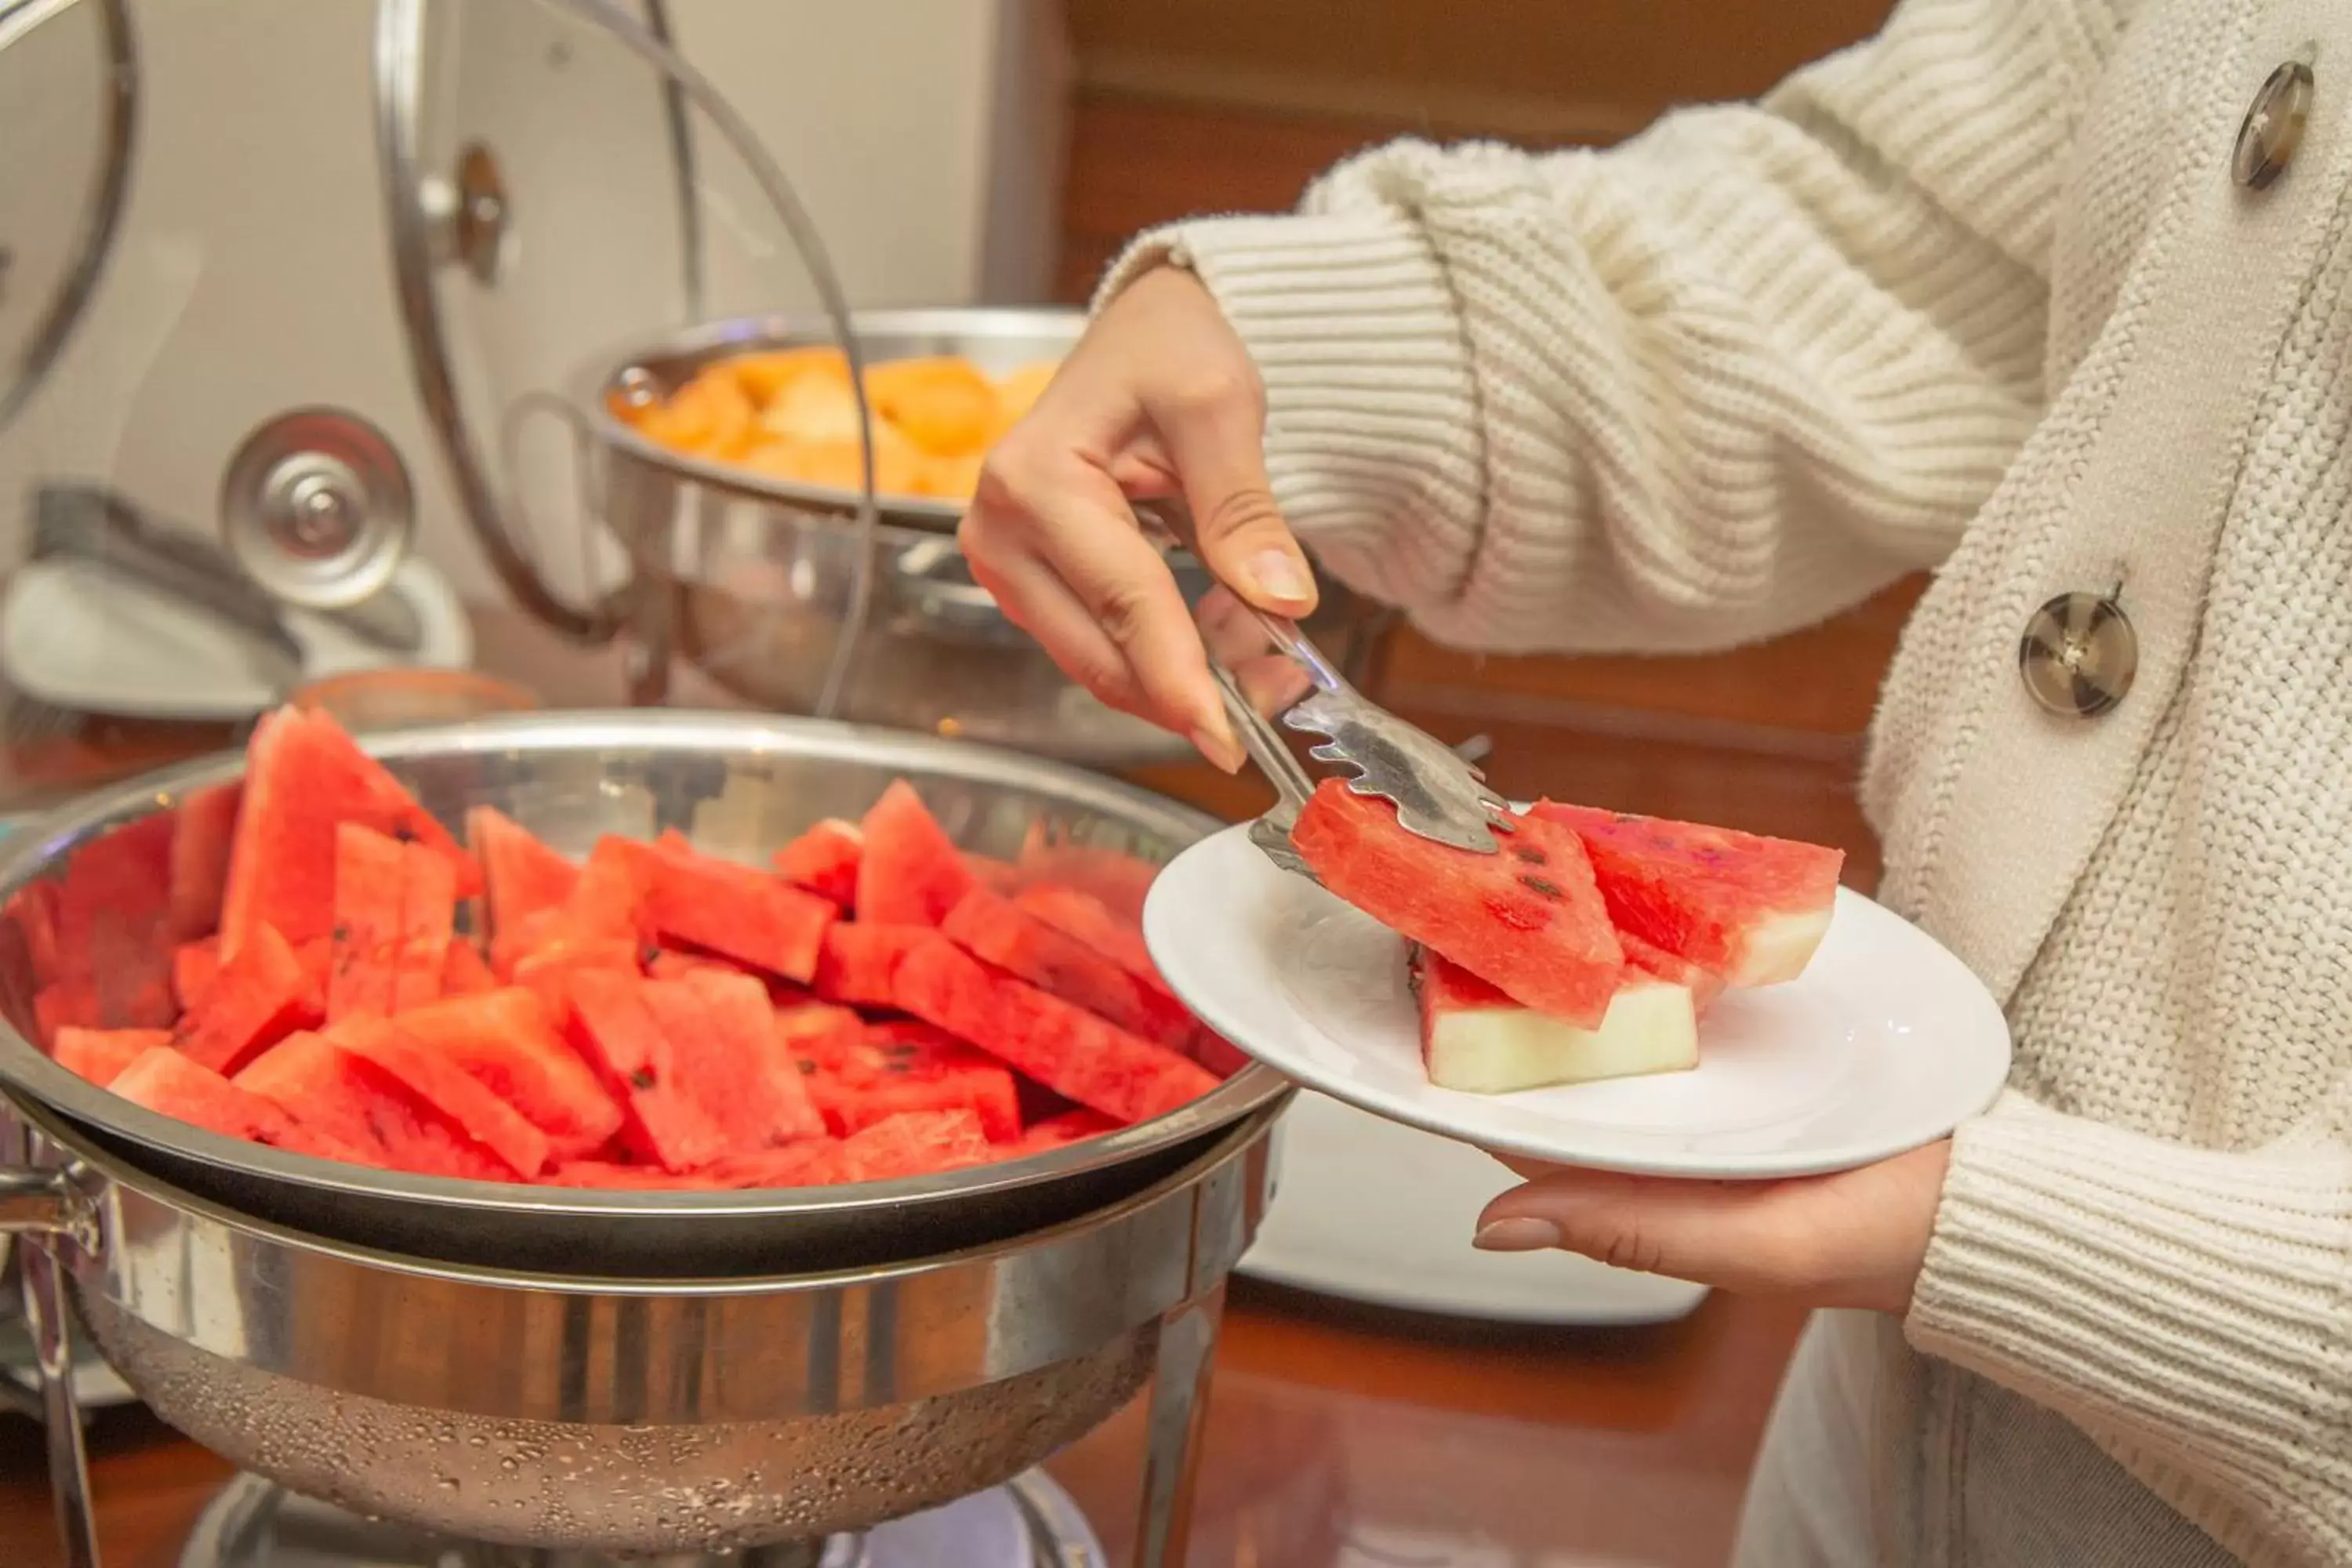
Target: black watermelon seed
{"points": [[1549, 889]]}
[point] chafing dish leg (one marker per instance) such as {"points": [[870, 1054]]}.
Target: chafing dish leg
{"points": [[1179, 1412], [50, 1318]]}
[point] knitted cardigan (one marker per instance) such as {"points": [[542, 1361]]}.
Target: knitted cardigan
{"points": [[1979, 295]]}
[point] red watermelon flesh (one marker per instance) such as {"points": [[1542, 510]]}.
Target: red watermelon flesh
{"points": [[466, 974], [194, 966], [825, 861], [997, 875], [355, 1104], [428, 907], [732, 1062], [66, 1005], [1112, 877], [1067, 1048], [1704, 985], [441, 1083], [909, 873], [1089, 919], [260, 996], [1527, 919], [548, 971], [168, 1083], [33, 909], [916, 1143], [886, 1069], [113, 910], [202, 839], [370, 871], [619, 1036], [305, 777], [1061, 1132], [1020, 943], [860, 960], [739, 913], [1751, 909], [811, 1162], [102, 1054], [606, 905], [521, 877], [507, 1042]]}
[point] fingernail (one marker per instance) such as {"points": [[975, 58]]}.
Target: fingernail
{"points": [[1516, 1234], [1278, 576], [1223, 751]]}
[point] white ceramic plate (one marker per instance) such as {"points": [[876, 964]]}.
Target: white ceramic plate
{"points": [[1370, 1210], [75, 635], [1886, 1043]]}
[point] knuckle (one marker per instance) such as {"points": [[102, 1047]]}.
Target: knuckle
{"points": [[1239, 513], [1123, 610], [1633, 1246], [1215, 388]]}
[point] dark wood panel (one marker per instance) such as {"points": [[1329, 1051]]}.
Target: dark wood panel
{"points": [[1582, 67]]}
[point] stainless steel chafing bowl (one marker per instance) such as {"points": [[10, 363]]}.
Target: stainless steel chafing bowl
{"points": [[641, 1372], [644, 1418], [750, 578], [738, 786]]}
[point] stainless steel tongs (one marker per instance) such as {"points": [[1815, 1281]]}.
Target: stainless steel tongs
{"points": [[1437, 792]]}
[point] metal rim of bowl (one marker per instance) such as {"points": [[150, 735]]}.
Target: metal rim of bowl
{"points": [[114, 1169], [711, 340], [28, 1071]]}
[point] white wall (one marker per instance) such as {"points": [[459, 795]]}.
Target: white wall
{"points": [[253, 273]]}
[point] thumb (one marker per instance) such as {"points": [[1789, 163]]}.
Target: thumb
{"points": [[1703, 1231], [1217, 446]]}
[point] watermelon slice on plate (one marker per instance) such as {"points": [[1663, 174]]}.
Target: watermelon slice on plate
{"points": [[1751, 909], [1528, 919], [1475, 1038], [1885, 1042]]}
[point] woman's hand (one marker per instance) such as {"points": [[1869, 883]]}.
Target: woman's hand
{"points": [[1853, 1239], [1159, 399]]}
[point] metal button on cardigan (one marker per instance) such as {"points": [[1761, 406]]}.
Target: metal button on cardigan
{"points": [[2078, 654], [2274, 127]]}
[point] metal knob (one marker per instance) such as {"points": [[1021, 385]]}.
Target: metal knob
{"points": [[316, 506]]}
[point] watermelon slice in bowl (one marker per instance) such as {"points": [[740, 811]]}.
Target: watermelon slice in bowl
{"points": [[1882, 1040]]}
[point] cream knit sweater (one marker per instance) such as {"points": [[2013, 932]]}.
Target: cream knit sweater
{"points": [[1979, 295]]}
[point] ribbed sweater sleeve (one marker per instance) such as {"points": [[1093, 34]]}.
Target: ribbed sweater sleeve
{"points": [[2186, 1307], [1711, 384]]}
